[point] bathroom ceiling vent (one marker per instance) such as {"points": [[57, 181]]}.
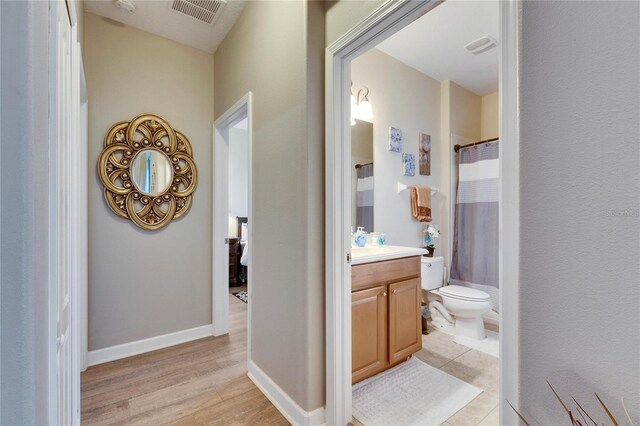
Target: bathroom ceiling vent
{"points": [[481, 45], [206, 11]]}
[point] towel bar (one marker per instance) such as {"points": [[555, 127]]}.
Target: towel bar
{"points": [[402, 187]]}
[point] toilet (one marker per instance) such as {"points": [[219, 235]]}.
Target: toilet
{"points": [[461, 309]]}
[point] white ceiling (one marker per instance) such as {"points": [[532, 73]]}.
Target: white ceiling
{"points": [[156, 16], [434, 44]]}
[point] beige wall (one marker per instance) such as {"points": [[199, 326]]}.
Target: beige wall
{"points": [[465, 111], [343, 15], [404, 98], [142, 283], [275, 51], [489, 116]]}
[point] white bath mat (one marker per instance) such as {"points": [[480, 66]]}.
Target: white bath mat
{"points": [[413, 393], [490, 345]]}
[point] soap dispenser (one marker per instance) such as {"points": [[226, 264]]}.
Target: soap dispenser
{"points": [[360, 240]]}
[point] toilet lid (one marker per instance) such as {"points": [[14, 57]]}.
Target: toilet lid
{"points": [[464, 293]]}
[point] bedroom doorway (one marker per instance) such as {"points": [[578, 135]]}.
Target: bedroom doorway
{"points": [[231, 225]]}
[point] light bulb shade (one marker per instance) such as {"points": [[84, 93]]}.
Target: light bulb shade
{"points": [[354, 108], [365, 112]]}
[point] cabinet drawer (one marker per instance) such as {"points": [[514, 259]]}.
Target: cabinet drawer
{"points": [[369, 275]]}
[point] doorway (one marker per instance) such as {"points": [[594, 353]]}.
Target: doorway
{"points": [[382, 23], [232, 213]]}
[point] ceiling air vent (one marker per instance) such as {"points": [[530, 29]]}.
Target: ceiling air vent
{"points": [[481, 45], [202, 10]]}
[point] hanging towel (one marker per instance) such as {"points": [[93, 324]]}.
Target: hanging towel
{"points": [[421, 203]]}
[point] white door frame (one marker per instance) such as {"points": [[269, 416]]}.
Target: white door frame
{"points": [[67, 215], [380, 24], [220, 291]]}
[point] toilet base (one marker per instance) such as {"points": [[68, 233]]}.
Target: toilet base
{"points": [[472, 328], [443, 325]]}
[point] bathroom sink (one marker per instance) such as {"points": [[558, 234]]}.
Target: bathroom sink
{"points": [[368, 250], [369, 254]]}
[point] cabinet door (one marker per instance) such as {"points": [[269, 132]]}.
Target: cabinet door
{"points": [[405, 332], [368, 332]]}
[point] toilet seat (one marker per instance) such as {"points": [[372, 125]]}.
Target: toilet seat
{"points": [[464, 293]]}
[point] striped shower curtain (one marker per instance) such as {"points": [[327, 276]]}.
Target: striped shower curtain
{"points": [[475, 240], [364, 197]]}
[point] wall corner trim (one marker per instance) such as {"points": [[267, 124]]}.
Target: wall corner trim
{"points": [[125, 350], [283, 402]]}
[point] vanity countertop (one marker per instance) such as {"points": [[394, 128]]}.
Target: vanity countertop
{"points": [[370, 254]]}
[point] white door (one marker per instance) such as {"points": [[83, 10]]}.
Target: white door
{"points": [[64, 270]]}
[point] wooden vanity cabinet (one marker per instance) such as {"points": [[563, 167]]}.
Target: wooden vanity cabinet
{"points": [[405, 324], [369, 320], [386, 325]]}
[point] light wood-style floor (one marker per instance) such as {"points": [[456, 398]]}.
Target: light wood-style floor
{"points": [[203, 382]]}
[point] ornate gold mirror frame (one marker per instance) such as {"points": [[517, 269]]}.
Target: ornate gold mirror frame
{"points": [[165, 194]]}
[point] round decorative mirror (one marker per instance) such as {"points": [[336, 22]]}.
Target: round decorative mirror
{"points": [[148, 171], [151, 172]]}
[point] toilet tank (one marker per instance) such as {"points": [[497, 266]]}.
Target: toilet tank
{"points": [[432, 272]]}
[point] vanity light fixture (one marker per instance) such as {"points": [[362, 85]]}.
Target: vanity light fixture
{"points": [[360, 105], [354, 105], [363, 106]]}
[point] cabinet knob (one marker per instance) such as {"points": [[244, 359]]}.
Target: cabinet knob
{"points": [[394, 291], [384, 294]]}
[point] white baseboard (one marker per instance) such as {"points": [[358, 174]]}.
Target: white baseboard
{"points": [[283, 402], [146, 345]]}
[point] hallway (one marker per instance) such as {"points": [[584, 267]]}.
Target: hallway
{"points": [[195, 383]]}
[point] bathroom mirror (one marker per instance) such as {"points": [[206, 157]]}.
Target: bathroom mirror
{"points": [[362, 175], [151, 172]]}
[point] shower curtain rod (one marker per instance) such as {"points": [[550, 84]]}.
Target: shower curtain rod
{"points": [[362, 165], [457, 147]]}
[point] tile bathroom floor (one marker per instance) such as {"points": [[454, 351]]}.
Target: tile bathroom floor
{"points": [[469, 365]]}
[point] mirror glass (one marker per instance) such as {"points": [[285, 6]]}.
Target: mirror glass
{"points": [[362, 175], [151, 172]]}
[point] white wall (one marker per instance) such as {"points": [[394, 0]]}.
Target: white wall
{"points": [[579, 207], [238, 176], [24, 214], [406, 99], [159, 281]]}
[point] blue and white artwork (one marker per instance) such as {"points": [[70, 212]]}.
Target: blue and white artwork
{"points": [[395, 139], [408, 164]]}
